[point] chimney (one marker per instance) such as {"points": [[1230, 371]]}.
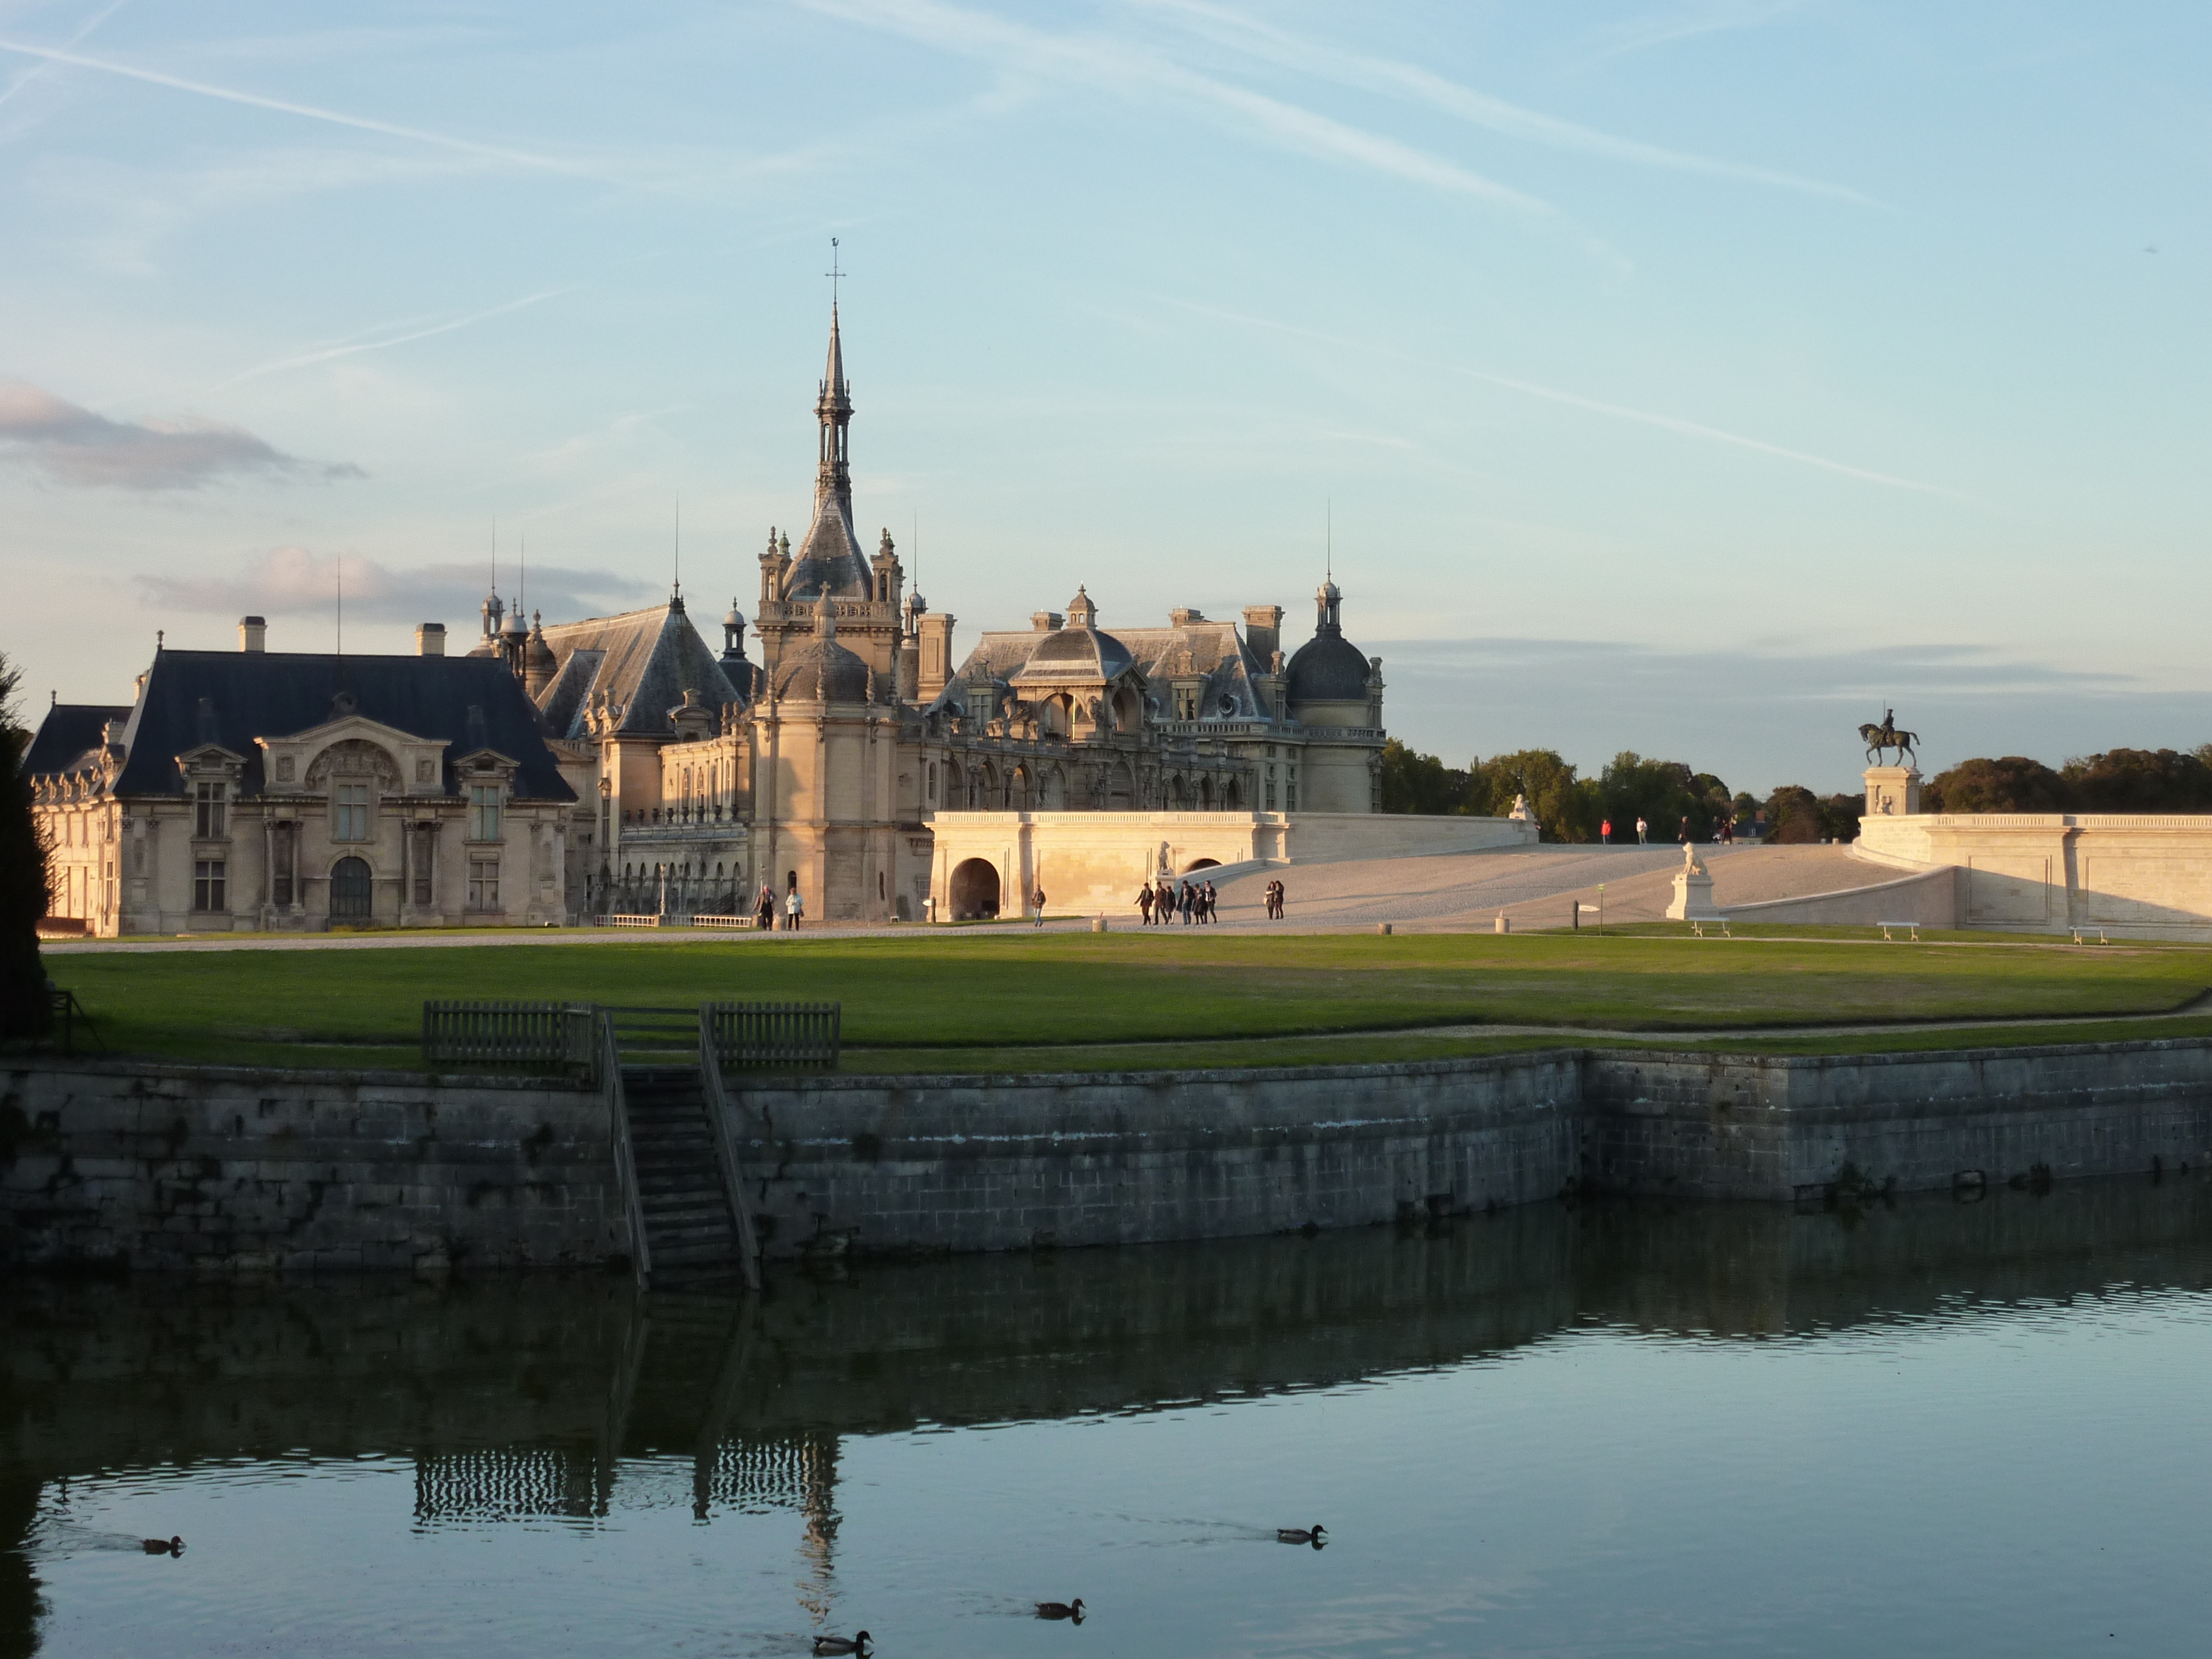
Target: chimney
{"points": [[1047, 621], [252, 634], [1263, 629], [936, 654], [1182, 616], [429, 639]]}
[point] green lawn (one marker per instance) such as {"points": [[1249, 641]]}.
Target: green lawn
{"points": [[1183, 997]]}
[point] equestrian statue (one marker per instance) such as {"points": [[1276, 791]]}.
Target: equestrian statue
{"points": [[1886, 736]]}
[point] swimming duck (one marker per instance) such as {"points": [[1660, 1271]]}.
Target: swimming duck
{"points": [[856, 1643], [164, 1545], [1061, 1609], [1302, 1535]]}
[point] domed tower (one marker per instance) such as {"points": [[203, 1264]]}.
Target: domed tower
{"points": [[1335, 691], [825, 742], [539, 665]]}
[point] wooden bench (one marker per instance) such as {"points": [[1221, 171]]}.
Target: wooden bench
{"points": [[1890, 929], [1699, 928], [2096, 928]]}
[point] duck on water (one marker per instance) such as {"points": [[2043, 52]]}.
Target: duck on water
{"points": [[1313, 1535], [856, 1643], [1061, 1609]]}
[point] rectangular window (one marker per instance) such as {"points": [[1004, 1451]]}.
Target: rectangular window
{"points": [[207, 885], [208, 817], [483, 884], [484, 811], [349, 813], [425, 841], [280, 878]]}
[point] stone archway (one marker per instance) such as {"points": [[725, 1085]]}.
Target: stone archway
{"points": [[1196, 865], [1205, 794], [1120, 787], [975, 892], [1051, 791], [1177, 801], [1232, 796], [352, 890]]}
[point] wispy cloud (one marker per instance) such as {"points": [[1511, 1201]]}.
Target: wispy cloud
{"points": [[306, 112], [1686, 23], [1329, 61], [70, 445], [354, 345], [1131, 71], [297, 582], [1575, 400]]}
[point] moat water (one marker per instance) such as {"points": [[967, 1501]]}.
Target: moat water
{"points": [[1941, 1428]]}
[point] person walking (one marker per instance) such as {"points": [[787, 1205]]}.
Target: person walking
{"points": [[1145, 902], [1212, 899], [1039, 896], [1605, 833], [794, 909], [1643, 830], [1684, 837], [764, 909], [1186, 902]]}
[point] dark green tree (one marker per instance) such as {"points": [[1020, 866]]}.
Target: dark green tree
{"points": [[24, 1009], [1566, 808], [1414, 782], [2012, 784], [1793, 816], [2140, 780]]}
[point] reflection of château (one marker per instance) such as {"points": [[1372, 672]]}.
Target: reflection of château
{"points": [[619, 764]]}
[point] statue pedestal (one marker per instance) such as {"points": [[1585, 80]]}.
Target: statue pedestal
{"points": [[1693, 891], [1892, 790]]}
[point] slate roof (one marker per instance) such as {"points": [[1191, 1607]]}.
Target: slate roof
{"points": [[644, 662], [1212, 650], [69, 739], [1328, 668], [231, 698]]}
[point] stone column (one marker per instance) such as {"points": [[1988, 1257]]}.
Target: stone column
{"points": [[1892, 791]]}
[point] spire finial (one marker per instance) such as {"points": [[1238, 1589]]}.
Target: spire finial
{"points": [[1329, 539], [678, 591], [834, 274]]}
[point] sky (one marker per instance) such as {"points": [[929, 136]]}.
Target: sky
{"points": [[1697, 377]]}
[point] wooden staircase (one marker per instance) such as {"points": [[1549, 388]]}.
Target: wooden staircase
{"points": [[683, 1195]]}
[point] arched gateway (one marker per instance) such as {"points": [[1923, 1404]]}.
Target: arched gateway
{"points": [[974, 891]]}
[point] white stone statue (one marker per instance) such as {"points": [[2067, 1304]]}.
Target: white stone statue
{"points": [[1520, 808]]}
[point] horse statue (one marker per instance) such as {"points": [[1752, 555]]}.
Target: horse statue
{"points": [[1886, 736]]}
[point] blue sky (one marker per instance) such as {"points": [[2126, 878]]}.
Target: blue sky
{"points": [[1696, 376]]}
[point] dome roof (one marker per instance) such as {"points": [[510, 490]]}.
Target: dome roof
{"points": [[1077, 654], [822, 671], [1328, 668]]}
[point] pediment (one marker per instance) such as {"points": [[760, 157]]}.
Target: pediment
{"points": [[399, 762]]}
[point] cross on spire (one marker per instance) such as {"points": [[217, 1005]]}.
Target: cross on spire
{"points": [[834, 274]]}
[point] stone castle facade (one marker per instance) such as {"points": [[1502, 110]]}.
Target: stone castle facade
{"points": [[620, 765]]}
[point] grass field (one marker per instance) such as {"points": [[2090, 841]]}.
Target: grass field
{"points": [[1080, 1002]]}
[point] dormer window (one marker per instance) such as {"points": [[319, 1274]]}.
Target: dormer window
{"points": [[1186, 702], [484, 811], [209, 811]]}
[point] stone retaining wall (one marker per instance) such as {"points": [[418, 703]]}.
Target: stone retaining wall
{"points": [[173, 1167], [158, 1166]]}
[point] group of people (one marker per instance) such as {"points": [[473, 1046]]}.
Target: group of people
{"points": [[794, 909], [1723, 831], [1161, 901]]}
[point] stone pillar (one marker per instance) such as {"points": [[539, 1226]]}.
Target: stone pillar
{"points": [[1693, 891], [1892, 791]]}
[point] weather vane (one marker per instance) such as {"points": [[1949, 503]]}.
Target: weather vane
{"points": [[833, 273]]}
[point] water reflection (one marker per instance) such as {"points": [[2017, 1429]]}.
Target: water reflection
{"points": [[572, 1400]]}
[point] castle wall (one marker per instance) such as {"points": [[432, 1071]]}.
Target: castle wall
{"points": [[2137, 875], [223, 1170]]}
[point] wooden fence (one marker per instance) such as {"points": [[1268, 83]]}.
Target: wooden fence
{"points": [[777, 1037], [523, 1035]]}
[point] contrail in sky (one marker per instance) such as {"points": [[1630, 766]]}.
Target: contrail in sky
{"points": [[327, 353], [37, 70], [309, 111], [1575, 400]]}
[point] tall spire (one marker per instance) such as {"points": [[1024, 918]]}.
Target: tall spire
{"points": [[829, 559]]}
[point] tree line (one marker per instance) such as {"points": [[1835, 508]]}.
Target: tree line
{"points": [[1568, 807], [2116, 781]]}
